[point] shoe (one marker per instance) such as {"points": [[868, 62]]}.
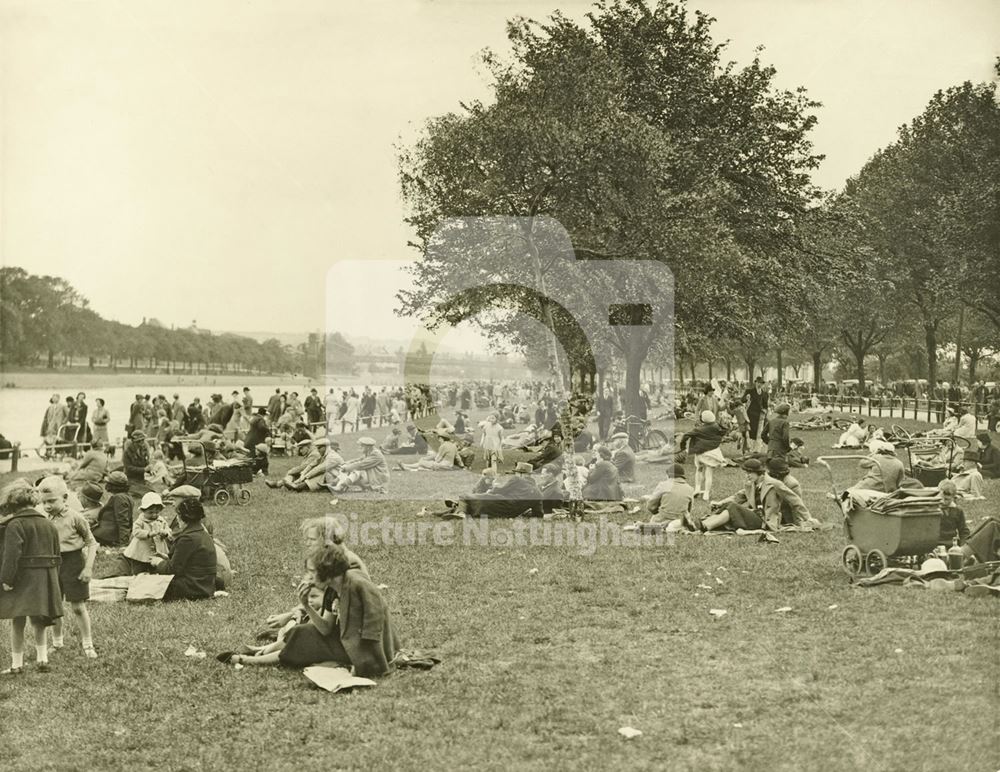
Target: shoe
{"points": [[89, 652], [272, 484], [423, 512], [43, 667], [334, 502], [768, 538], [225, 657], [12, 671], [56, 646], [692, 521], [453, 516]]}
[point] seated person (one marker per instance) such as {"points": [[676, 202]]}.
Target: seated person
{"points": [[150, 533], [113, 527], [665, 454], [92, 467], [412, 444], [136, 457], [969, 481], [983, 544], [369, 471], [551, 450], [989, 456], [883, 472], [90, 496], [392, 441], [796, 457], [623, 457], [551, 486], [359, 636], [192, 560], [855, 437], [603, 482], [158, 473], [952, 517], [511, 496], [671, 500], [757, 505], [445, 460], [791, 512]]}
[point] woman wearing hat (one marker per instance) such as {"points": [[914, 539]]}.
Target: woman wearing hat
{"points": [[114, 520], [192, 559], [757, 505], [704, 442]]}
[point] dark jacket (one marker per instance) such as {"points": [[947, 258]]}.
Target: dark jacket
{"points": [[30, 565], [603, 483], [136, 459], [989, 460], [114, 521], [777, 437], [193, 563], [703, 438], [516, 496], [366, 630]]}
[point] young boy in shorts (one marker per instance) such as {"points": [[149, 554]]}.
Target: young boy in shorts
{"points": [[77, 549]]}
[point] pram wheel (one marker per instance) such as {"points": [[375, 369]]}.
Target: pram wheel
{"points": [[851, 560], [243, 496], [221, 497], [876, 561]]}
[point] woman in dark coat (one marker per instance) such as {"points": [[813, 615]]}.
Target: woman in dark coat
{"points": [[192, 558], [114, 522], [29, 573]]}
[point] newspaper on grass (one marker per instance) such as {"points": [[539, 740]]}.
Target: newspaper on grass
{"points": [[334, 678]]}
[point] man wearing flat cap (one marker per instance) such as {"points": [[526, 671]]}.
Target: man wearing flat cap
{"points": [[369, 470]]}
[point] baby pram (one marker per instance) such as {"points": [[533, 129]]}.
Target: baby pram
{"points": [[221, 480], [925, 447], [898, 529]]}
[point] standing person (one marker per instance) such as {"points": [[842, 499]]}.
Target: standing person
{"points": [[247, 400], [605, 409], [177, 410], [135, 419], [703, 442], [274, 406], [255, 441], [314, 408], [29, 574], [78, 415], [350, 416], [101, 419], [756, 401], [55, 416], [194, 420], [778, 438], [707, 401], [77, 550], [492, 441]]}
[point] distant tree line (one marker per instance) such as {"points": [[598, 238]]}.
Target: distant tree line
{"points": [[44, 321]]}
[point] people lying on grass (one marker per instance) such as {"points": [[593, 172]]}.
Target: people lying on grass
{"points": [[855, 436], [192, 557], [953, 523], [667, 453], [983, 544], [670, 501], [551, 449], [603, 481], [791, 513], [969, 481], [113, 527], [704, 441], [369, 471], [529, 436], [92, 467], [446, 459], [359, 635], [796, 457], [510, 496], [77, 550], [317, 532], [944, 456], [989, 456], [29, 574], [758, 505]]}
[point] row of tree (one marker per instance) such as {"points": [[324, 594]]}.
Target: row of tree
{"points": [[43, 320], [633, 134]]}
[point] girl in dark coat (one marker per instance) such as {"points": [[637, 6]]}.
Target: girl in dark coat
{"points": [[114, 522], [29, 573], [193, 560]]}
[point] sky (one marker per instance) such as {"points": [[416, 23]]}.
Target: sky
{"points": [[215, 161]]}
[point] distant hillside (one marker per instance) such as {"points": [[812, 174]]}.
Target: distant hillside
{"points": [[284, 338]]}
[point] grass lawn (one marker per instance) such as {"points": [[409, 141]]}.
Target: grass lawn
{"points": [[541, 668]]}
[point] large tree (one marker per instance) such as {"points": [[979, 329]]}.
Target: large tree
{"points": [[635, 136]]}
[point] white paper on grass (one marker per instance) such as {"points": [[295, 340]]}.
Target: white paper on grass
{"points": [[334, 678], [628, 732]]}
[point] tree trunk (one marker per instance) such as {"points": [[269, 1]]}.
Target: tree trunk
{"points": [[729, 370], [751, 364], [52, 360], [817, 357], [974, 356], [693, 366], [930, 342], [680, 373], [882, 357], [958, 345], [710, 369], [780, 365]]}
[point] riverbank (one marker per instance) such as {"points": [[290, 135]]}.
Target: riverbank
{"points": [[84, 379]]}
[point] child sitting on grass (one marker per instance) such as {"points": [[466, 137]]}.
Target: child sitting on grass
{"points": [[159, 473], [314, 600]]}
